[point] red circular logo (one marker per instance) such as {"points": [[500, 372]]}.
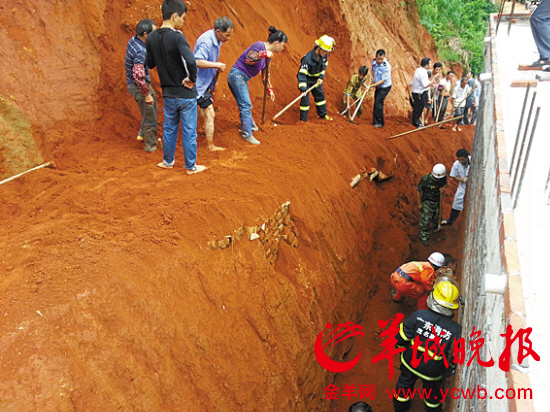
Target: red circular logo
{"points": [[342, 332]]}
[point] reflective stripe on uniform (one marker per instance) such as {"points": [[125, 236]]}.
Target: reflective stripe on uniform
{"points": [[402, 333], [320, 103], [419, 266], [432, 355], [304, 107], [303, 84], [427, 378], [432, 405], [303, 71], [400, 399]]}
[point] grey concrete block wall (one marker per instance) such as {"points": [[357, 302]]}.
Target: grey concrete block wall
{"points": [[490, 248]]}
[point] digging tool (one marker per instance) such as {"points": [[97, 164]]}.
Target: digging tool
{"points": [[266, 82], [440, 105], [439, 227], [9, 179], [350, 106], [371, 79], [294, 101], [425, 127], [359, 105]]}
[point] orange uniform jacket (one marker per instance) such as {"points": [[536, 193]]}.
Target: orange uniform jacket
{"points": [[420, 272], [422, 275]]}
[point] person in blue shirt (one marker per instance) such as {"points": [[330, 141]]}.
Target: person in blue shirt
{"points": [[382, 82], [206, 52]]}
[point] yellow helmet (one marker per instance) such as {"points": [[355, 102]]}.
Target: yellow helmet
{"points": [[326, 43], [446, 294]]}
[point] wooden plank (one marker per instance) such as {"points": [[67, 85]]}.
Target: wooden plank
{"points": [[525, 83], [525, 67]]}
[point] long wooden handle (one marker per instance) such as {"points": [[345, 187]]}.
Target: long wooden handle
{"points": [[359, 105], [294, 101], [265, 90], [425, 127], [9, 179]]}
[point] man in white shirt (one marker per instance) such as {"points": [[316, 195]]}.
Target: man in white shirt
{"points": [[445, 89], [459, 101], [420, 86], [459, 173]]}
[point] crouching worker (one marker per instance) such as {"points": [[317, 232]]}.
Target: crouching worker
{"points": [[415, 279], [420, 333], [312, 72], [353, 91]]}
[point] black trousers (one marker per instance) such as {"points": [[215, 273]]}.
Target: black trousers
{"points": [[320, 102], [441, 108], [419, 103], [454, 216], [378, 109], [406, 381]]}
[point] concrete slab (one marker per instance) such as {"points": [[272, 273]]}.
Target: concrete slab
{"points": [[532, 211]]}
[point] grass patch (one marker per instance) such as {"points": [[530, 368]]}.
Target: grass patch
{"points": [[458, 28]]}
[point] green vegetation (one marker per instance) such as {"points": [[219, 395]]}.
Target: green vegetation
{"points": [[458, 28]]}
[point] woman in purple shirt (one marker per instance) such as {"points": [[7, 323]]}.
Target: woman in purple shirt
{"points": [[251, 62]]}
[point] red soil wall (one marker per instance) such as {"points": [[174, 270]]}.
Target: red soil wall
{"points": [[111, 299]]}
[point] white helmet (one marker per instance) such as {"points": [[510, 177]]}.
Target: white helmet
{"points": [[439, 171], [437, 259]]}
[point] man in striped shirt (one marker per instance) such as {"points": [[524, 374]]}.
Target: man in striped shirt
{"points": [[139, 83]]}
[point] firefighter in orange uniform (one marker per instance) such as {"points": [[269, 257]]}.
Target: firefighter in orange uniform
{"points": [[415, 279]]}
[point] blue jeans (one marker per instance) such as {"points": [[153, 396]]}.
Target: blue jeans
{"points": [[238, 84], [176, 110]]}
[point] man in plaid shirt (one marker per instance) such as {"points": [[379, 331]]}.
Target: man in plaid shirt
{"points": [[139, 84]]}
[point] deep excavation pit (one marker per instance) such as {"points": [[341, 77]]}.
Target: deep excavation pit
{"points": [[112, 296]]}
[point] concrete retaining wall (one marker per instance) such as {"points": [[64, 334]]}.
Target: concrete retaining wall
{"points": [[490, 248]]}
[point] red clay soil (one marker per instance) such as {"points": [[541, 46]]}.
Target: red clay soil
{"points": [[111, 299]]}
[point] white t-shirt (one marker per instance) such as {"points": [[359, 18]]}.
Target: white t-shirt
{"points": [[446, 84], [460, 94], [420, 81], [462, 171]]}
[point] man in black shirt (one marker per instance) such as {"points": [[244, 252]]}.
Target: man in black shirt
{"points": [[168, 50], [428, 200]]}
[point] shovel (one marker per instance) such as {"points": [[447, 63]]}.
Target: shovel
{"points": [[358, 106], [439, 227], [295, 100]]}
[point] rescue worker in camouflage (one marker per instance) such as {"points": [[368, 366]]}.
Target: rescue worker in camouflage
{"points": [[312, 72], [428, 200], [420, 333], [354, 91]]}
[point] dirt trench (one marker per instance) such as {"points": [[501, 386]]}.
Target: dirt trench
{"points": [[111, 298]]}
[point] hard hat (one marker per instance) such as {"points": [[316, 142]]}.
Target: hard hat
{"points": [[437, 259], [326, 43], [439, 171], [446, 294]]}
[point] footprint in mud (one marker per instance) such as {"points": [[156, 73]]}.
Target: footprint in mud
{"points": [[234, 161]]}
